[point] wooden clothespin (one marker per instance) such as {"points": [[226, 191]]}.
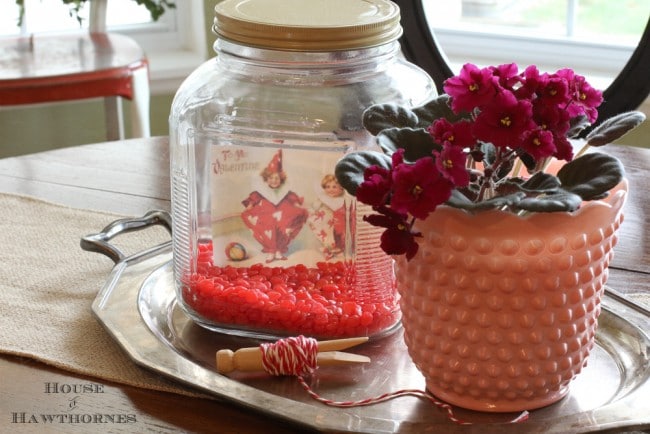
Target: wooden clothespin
{"points": [[250, 359]]}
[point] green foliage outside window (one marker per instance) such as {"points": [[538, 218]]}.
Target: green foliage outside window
{"points": [[155, 7]]}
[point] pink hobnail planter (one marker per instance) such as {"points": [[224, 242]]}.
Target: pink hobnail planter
{"points": [[500, 311]]}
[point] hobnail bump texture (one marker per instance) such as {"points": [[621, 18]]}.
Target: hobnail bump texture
{"points": [[500, 311]]}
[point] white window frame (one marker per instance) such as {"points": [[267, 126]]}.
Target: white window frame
{"points": [[601, 63], [175, 45]]}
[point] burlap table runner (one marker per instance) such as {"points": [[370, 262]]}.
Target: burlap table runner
{"points": [[48, 283]]}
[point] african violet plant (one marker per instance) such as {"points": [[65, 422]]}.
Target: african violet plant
{"points": [[466, 149]]}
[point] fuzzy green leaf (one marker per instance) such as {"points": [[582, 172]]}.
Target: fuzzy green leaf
{"points": [[614, 128], [383, 116], [592, 175], [541, 182], [460, 201], [435, 109], [560, 201], [379, 117], [508, 186], [417, 143], [577, 125], [489, 153], [349, 169]]}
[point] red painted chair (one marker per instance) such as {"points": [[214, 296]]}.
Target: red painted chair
{"points": [[89, 64]]}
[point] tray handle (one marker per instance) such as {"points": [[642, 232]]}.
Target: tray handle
{"points": [[99, 242]]}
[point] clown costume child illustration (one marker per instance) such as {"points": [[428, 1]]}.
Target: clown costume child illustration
{"points": [[327, 219], [274, 213]]}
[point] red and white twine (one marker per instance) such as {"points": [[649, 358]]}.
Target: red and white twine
{"points": [[298, 356], [290, 356]]}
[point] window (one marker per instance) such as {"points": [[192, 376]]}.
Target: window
{"points": [[175, 44], [594, 37]]}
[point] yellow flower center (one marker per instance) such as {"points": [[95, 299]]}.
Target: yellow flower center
{"points": [[536, 141], [401, 227], [416, 190], [583, 96], [448, 164], [506, 122], [473, 87]]}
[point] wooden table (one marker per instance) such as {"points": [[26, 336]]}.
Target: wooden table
{"points": [[132, 177]]}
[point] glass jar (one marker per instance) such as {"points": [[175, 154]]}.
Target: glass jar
{"points": [[265, 241]]}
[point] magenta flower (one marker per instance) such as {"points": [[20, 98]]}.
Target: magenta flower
{"points": [[553, 91], [451, 164], [539, 143], [458, 134], [507, 75], [586, 97], [418, 188], [397, 239], [472, 88], [564, 148], [551, 117], [566, 73], [375, 188], [504, 121], [531, 80]]}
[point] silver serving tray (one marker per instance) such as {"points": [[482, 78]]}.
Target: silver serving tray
{"points": [[138, 308]]}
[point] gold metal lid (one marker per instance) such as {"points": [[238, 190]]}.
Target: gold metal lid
{"points": [[308, 25]]}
